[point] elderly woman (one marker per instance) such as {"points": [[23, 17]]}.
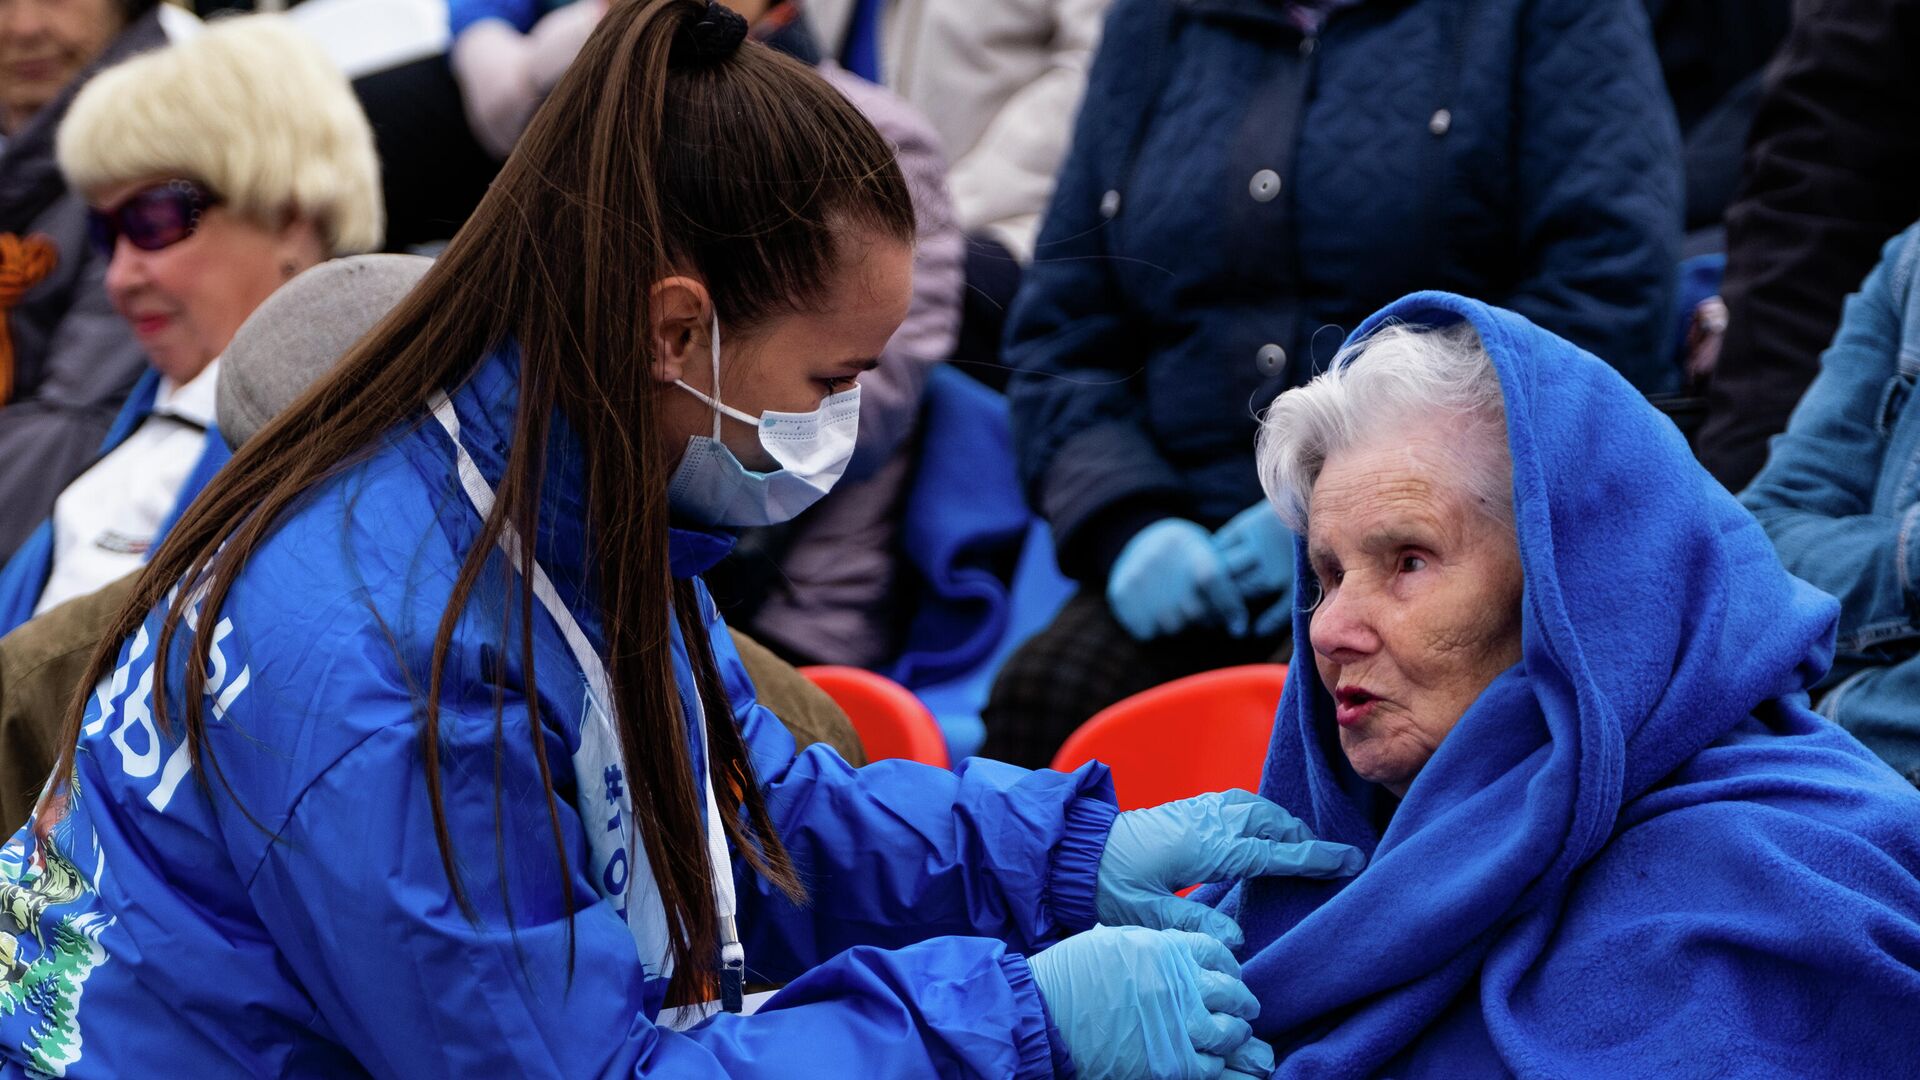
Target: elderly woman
{"points": [[1554, 679], [215, 170]]}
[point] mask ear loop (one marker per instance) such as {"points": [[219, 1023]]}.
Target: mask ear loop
{"points": [[712, 400], [716, 376]]}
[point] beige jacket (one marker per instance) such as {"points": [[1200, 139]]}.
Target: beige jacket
{"points": [[1001, 80]]}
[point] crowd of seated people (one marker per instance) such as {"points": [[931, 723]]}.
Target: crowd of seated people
{"points": [[1236, 176], [398, 651]]}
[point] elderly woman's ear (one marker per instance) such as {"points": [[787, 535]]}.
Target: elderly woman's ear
{"points": [[300, 245]]}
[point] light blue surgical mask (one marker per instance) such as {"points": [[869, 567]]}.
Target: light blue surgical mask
{"points": [[711, 488]]}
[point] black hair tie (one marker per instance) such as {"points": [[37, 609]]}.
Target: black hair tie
{"points": [[713, 37]]}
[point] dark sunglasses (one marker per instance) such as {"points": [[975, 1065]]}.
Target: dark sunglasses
{"points": [[151, 218]]}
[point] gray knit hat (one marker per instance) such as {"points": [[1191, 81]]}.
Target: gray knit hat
{"points": [[303, 329]]}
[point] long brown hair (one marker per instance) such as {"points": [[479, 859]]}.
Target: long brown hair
{"points": [[656, 154]]}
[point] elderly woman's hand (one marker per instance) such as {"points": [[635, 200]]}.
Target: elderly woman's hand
{"points": [[1223, 836]]}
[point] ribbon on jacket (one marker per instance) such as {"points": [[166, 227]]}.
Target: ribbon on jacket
{"points": [[621, 871], [24, 263]]}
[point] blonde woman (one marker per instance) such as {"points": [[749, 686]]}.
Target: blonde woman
{"points": [[214, 170]]}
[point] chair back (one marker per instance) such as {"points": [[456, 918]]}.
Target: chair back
{"points": [[891, 722], [1206, 732]]}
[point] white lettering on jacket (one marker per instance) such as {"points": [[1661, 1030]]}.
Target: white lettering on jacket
{"points": [[136, 737]]}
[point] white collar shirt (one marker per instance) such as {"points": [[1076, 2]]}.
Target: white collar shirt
{"points": [[104, 523]]}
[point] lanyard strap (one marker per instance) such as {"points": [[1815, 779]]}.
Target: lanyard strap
{"points": [[597, 729]]}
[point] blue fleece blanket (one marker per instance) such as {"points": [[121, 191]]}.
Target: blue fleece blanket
{"points": [[1639, 853], [960, 532]]}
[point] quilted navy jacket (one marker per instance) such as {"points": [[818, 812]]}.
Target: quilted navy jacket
{"points": [[1239, 196]]}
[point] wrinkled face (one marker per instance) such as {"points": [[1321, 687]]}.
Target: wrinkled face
{"points": [[1420, 598], [791, 362], [43, 45], [184, 301]]}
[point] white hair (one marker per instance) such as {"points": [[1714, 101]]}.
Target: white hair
{"points": [[251, 108], [1397, 377]]}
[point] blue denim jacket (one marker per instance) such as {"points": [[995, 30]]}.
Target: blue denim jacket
{"points": [[1840, 496]]}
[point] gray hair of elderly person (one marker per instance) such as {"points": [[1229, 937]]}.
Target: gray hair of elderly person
{"points": [[1377, 388], [300, 332]]}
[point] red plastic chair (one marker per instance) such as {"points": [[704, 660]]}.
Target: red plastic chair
{"points": [[892, 723], [1206, 732]]}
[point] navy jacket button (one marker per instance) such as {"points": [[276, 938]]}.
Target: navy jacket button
{"points": [[1271, 360]]}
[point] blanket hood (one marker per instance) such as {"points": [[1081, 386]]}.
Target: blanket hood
{"points": [[1657, 620]]}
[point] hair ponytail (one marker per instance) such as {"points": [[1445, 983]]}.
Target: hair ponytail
{"points": [[664, 149]]}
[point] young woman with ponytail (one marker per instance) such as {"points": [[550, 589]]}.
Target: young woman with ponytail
{"points": [[420, 751]]}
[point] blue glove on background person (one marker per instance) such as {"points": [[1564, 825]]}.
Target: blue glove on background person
{"points": [[1170, 578], [1257, 549], [1223, 836], [1150, 1004]]}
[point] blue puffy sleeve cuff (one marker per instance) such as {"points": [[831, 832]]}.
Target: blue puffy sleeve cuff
{"points": [[1042, 1051], [1075, 871]]}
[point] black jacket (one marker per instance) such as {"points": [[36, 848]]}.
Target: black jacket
{"points": [[1832, 171]]}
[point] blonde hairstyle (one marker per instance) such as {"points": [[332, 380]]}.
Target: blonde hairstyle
{"points": [[252, 109]]}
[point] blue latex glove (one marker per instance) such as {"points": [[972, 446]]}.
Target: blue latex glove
{"points": [[1170, 578], [1224, 836], [1270, 622], [1150, 1004], [1258, 551]]}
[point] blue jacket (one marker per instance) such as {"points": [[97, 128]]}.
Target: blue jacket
{"points": [[1520, 151], [25, 575], [1638, 852], [1840, 496], [519, 14], [320, 938]]}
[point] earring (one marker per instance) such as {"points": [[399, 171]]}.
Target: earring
{"points": [[287, 269]]}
